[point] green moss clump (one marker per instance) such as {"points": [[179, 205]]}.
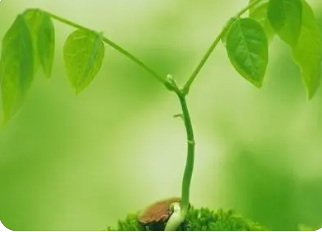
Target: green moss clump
{"points": [[206, 220], [199, 220]]}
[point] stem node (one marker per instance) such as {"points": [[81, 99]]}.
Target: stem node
{"points": [[192, 142]]}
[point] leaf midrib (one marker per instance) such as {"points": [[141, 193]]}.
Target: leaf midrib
{"points": [[248, 51]]}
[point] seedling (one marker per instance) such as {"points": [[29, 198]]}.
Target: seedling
{"points": [[29, 45]]}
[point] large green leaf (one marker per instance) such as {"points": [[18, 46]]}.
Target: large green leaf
{"points": [[16, 66], [285, 17], [259, 13], [247, 48], [43, 37], [308, 52], [83, 55]]}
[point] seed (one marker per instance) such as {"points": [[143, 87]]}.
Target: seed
{"points": [[157, 212]]}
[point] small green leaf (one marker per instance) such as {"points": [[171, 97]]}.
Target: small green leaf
{"points": [[308, 52], [259, 13], [17, 63], [43, 38], [247, 49], [83, 56], [285, 17]]}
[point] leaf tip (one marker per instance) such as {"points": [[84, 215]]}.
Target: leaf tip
{"points": [[258, 85], [310, 95], [48, 74], [311, 90], [78, 90]]}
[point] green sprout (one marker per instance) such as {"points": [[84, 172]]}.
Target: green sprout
{"points": [[29, 45]]}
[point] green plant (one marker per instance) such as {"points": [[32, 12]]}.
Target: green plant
{"points": [[29, 45]]}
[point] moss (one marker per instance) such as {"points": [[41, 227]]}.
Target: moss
{"points": [[198, 220], [207, 220], [130, 223]]}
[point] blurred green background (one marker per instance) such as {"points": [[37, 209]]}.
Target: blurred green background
{"points": [[82, 162]]}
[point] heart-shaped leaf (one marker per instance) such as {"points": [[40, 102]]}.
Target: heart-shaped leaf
{"points": [[247, 49], [83, 55]]}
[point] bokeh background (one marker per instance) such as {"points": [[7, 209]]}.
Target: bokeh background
{"points": [[82, 162]]}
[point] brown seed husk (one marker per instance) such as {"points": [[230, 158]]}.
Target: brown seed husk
{"points": [[157, 212]]}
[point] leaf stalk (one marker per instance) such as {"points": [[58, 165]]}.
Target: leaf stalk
{"points": [[212, 47]]}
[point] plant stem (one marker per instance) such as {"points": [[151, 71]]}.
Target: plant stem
{"points": [[193, 76], [212, 47], [180, 212], [187, 176], [190, 155], [116, 47]]}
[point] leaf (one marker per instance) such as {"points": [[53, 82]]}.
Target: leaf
{"points": [[247, 49], [308, 52], [83, 56], [16, 66], [285, 17], [43, 37], [46, 44], [259, 13]]}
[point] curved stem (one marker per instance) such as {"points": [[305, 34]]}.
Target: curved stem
{"points": [[116, 47], [190, 155], [187, 176], [202, 62], [212, 47]]}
